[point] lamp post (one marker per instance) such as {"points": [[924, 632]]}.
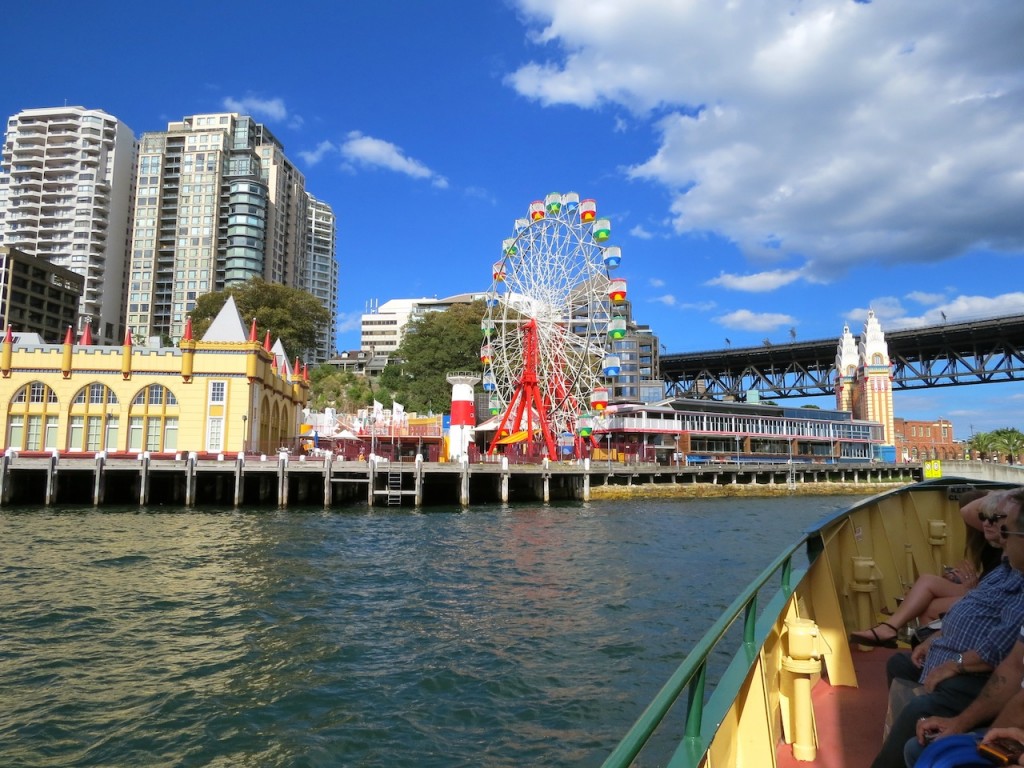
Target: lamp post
{"points": [[245, 436], [737, 439]]}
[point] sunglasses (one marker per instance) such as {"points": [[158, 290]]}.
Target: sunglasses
{"points": [[990, 517], [1007, 532]]}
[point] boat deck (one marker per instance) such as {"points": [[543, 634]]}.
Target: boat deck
{"points": [[849, 721]]}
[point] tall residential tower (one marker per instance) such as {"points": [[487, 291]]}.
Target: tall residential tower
{"points": [[217, 203], [66, 178], [320, 272]]}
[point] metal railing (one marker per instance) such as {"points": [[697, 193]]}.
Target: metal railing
{"points": [[691, 675]]}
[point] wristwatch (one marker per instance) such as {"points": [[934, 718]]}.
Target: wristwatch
{"points": [[959, 663]]}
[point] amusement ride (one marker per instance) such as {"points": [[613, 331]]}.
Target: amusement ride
{"points": [[554, 312]]}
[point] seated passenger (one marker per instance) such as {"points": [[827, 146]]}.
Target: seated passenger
{"points": [[931, 595], [977, 634]]}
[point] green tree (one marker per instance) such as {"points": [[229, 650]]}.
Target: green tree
{"points": [[294, 316], [344, 391], [434, 345], [1010, 441], [984, 443]]}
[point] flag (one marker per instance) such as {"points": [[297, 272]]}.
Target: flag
{"points": [[398, 412], [378, 408]]}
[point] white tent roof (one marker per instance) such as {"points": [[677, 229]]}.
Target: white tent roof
{"points": [[227, 325]]}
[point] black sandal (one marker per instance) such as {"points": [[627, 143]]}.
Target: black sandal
{"points": [[876, 641]]}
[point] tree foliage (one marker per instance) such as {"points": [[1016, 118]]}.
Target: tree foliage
{"points": [[436, 344], [1007, 441], [292, 315], [344, 391]]}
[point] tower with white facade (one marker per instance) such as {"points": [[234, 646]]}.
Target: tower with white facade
{"points": [[66, 178], [320, 271], [846, 369], [872, 395]]}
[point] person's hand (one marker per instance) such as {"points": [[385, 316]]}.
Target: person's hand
{"points": [[920, 653], [931, 728], [966, 574], [940, 673], [1006, 732]]}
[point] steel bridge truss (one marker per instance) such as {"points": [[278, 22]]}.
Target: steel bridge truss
{"points": [[977, 352]]}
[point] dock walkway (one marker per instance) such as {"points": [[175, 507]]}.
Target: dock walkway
{"points": [[284, 480]]}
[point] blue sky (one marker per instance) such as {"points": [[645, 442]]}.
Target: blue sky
{"points": [[765, 166]]}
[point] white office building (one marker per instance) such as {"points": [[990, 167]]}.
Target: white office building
{"points": [[382, 327], [66, 178]]}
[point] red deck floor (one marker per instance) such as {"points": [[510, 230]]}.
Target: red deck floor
{"points": [[849, 720]]}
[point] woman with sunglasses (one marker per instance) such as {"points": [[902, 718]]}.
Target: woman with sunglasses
{"points": [[931, 595]]}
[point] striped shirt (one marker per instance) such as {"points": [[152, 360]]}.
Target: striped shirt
{"points": [[987, 620]]}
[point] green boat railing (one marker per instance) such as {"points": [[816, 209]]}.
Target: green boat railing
{"points": [[691, 675], [703, 718]]}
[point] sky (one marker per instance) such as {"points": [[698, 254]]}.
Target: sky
{"points": [[767, 168]]}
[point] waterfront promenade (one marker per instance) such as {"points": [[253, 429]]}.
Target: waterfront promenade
{"points": [[234, 480]]}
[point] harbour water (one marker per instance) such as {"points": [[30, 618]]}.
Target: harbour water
{"points": [[498, 636]]}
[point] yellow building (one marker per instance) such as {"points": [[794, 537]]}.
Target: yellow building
{"points": [[217, 395]]}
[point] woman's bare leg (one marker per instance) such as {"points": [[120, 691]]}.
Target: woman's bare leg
{"points": [[927, 588]]}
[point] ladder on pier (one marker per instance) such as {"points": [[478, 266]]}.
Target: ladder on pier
{"points": [[394, 489]]}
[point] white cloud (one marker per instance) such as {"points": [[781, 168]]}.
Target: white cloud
{"points": [[921, 297], [656, 282], [349, 321], [745, 320], [639, 232], [369, 152], [892, 314], [835, 132], [668, 300], [322, 149], [265, 109], [699, 306], [757, 283]]}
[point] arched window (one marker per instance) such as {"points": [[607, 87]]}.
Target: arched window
{"points": [[153, 420], [876, 359], [32, 418], [94, 419]]}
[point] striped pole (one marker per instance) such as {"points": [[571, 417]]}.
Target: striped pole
{"points": [[460, 434]]}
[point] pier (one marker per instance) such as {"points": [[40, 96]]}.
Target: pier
{"points": [[233, 480]]}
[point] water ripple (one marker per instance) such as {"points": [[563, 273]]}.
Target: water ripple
{"points": [[498, 636]]}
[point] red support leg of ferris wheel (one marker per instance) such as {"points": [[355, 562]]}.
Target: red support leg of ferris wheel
{"points": [[527, 397]]}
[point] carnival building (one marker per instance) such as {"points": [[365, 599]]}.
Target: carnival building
{"points": [[226, 393], [688, 432]]}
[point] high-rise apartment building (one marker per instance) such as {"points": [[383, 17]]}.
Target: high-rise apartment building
{"points": [[320, 273], [217, 203], [66, 178]]}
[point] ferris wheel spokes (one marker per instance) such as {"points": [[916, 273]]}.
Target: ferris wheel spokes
{"points": [[551, 324]]}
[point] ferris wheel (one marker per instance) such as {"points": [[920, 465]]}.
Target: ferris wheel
{"points": [[553, 314]]}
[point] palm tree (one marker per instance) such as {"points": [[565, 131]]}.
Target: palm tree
{"points": [[984, 443], [1010, 441]]}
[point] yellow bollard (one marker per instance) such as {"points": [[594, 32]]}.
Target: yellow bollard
{"points": [[862, 585], [802, 662], [937, 538]]}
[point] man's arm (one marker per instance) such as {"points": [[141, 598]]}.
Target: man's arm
{"points": [[1002, 686], [1012, 715]]}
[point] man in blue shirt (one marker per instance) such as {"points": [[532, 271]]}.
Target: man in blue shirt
{"points": [[1001, 701], [977, 634]]}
